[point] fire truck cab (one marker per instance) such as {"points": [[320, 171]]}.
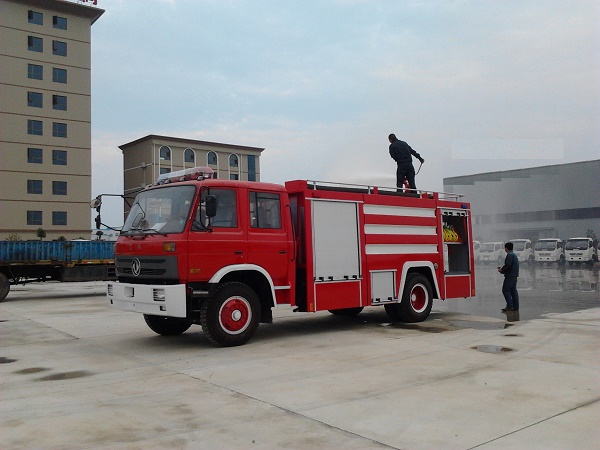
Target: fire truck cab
{"points": [[222, 254]]}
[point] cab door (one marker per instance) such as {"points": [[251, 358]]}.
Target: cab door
{"points": [[270, 243], [225, 244]]}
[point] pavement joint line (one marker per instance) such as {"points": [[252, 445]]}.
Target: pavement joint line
{"points": [[290, 411], [583, 405]]}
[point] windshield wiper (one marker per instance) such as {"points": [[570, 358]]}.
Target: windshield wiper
{"points": [[155, 231]]}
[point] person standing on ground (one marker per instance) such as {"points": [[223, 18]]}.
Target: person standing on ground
{"points": [[510, 269], [402, 153]]}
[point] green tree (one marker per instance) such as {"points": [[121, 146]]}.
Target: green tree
{"points": [[40, 233]]}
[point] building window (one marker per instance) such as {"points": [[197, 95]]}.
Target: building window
{"points": [[59, 75], [59, 102], [234, 176], [59, 129], [164, 170], [34, 99], [59, 157], [34, 217], [59, 22], [35, 17], [34, 186], [211, 158], [35, 71], [233, 161], [59, 48], [35, 155], [35, 44], [59, 217], [59, 188], [189, 156], [251, 168], [165, 153], [35, 127]]}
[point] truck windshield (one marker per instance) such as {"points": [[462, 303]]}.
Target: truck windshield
{"points": [[161, 210], [487, 247], [518, 246], [577, 245], [545, 245]]}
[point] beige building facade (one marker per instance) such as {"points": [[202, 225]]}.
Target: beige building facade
{"points": [[45, 118], [145, 159]]}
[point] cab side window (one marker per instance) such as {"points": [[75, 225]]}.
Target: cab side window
{"points": [[226, 216], [265, 210]]}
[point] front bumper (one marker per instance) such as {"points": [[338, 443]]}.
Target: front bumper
{"points": [[158, 300]]}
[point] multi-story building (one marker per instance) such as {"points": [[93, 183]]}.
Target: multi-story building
{"points": [[45, 118], [146, 158], [559, 201]]}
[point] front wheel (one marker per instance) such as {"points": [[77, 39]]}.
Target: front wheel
{"points": [[417, 300], [346, 311], [231, 317], [167, 326]]}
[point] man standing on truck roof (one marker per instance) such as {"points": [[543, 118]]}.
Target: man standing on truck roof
{"points": [[510, 269], [402, 153]]}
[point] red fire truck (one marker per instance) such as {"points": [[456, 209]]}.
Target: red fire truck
{"points": [[222, 253]]}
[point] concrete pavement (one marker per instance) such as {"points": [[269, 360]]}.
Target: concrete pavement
{"points": [[78, 374]]}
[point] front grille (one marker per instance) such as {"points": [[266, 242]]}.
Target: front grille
{"points": [[158, 269]]}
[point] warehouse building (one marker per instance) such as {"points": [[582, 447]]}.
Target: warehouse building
{"points": [[560, 201]]}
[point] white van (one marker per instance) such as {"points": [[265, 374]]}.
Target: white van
{"points": [[549, 250], [492, 252], [523, 249], [581, 250]]}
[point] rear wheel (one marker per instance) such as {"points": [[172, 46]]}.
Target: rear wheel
{"points": [[417, 300], [167, 326], [4, 286], [346, 311], [231, 317]]}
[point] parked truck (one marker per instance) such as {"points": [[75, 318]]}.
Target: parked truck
{"points": [[549, 250], [581, 250], [492, 252], [523, 248], [28, 261], [222, 254]]}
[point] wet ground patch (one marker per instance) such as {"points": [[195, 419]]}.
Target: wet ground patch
{"points": [[479, 325], [65, 375], [492, 349], [31, 370], [419, 327]]}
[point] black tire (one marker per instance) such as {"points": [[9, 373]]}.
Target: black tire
{"points": [[231, 317], [4, 286], [347, 311], [417, 300], [167, 326]]}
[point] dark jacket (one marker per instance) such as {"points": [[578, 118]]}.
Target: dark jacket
{"points": [[401, 152], [511, 265]]}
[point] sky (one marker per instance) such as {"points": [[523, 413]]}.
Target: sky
{"points": [[473, 86]]}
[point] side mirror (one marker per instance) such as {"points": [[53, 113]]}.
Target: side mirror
{"points": [[211, 206]]}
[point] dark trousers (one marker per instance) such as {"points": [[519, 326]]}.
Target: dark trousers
{"points": [[405, 170], [509, 290]]}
